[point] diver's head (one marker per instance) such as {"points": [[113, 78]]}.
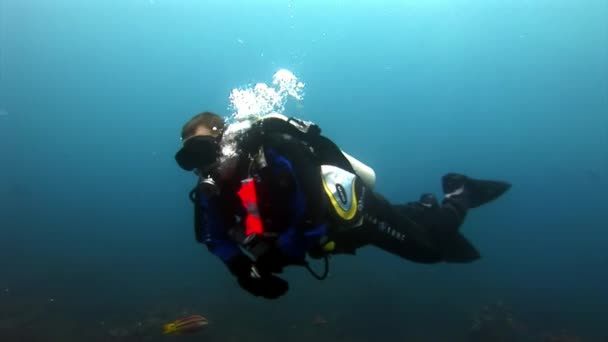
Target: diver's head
{"points": [[200, 140]]}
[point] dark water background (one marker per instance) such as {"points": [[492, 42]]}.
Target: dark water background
{"points": [[96, 241]]}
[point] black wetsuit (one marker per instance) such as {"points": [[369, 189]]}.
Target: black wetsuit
{"points": [[412, 231], [288, 198], [422, 231]]}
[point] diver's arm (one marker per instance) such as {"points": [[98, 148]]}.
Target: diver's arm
{"points": [[213, 228], [218, 242], [292, 163]]}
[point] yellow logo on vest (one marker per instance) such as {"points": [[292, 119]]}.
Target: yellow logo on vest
{"points": [[339, 186]]}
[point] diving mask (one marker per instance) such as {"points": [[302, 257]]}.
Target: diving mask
{"points": [[198, 152]]}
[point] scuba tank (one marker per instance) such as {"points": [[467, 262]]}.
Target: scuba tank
{"points": [[308, 132]]}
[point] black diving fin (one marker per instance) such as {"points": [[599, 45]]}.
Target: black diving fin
{"points": [[473, 192], [455, 248]]}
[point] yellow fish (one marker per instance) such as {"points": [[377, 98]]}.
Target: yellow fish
{"points": [[188, 324]]}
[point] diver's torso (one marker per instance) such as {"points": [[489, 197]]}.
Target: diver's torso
{"points": [[273, 191]]}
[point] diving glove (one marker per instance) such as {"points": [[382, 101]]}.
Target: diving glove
{"points": [[256, 281]]}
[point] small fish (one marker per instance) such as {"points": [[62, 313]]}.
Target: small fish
{"points": [[188, 324]]}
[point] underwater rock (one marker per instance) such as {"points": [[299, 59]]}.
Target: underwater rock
{"points": [[319, 320], [497, 323], [559, 337], [118, 333]]}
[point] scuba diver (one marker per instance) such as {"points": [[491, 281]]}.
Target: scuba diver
{"points": [[288, 192]]}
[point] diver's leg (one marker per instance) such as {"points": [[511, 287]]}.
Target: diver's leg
{"points": [[424, 231], [443, 222], [385, 226], [461, 193], [369, 233], [389, 228], [416, 232]]}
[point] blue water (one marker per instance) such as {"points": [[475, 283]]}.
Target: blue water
{"points": [[95, 222]]}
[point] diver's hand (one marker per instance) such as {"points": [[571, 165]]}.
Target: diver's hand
{"points": [[256, 281], [268, 286], [273, 261]]}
